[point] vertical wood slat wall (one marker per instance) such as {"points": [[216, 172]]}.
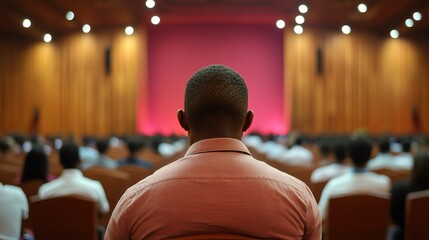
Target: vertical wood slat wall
{"points": [[66, 80], [368, 81]]}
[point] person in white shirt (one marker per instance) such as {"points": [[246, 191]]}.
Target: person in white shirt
{"points": [[296, 155], [384, 158], [72, 181], [357, 180], [13, 209], [405, 159], [334, 169]]}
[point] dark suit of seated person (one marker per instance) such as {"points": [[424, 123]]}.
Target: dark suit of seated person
{"points": [[419, 181], [134, 147]]}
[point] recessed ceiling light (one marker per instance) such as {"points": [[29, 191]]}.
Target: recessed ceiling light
{"points": [[155, 20], [299, 19], [69, 15], [346, 29], [47, 37], [298, 29], [409, 22], [280, 24], [362, 8], [417, 16], [303, 8], [150, 3], [26, 23], [129, 30], [394, 33], [86, 28]]}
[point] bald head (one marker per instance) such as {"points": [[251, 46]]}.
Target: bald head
{"points": [[216, 100]]}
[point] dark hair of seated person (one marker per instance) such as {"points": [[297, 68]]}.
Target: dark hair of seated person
{"points": [[69, 155], [360, 151], [102, 145], [35, 165]]}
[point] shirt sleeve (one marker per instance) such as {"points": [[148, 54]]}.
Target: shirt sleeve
{"points": [[313, 229], [118, 225]]}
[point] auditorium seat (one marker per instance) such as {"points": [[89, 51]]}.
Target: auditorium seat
{"points": [[9, 174], [114, 182], [30, 188], [358, 216], [317, 188], [67, 218], [416, 215], [136, 173], [393, 174]]}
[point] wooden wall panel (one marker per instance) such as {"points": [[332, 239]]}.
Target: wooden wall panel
{"points": [[66, 80], [368, 82]]}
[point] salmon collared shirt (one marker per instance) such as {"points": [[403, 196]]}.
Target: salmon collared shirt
{"points": [[216, 188]]}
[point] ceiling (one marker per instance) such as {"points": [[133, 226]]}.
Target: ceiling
{"points": [[49, 15]]}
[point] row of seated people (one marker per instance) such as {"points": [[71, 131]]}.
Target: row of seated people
{"points": [[360, 151], [356, 169], [35, 179]]}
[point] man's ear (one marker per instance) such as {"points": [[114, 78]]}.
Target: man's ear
{"points": [[248, 120], [182, 119]]}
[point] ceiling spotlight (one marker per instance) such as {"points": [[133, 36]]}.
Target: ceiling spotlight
{"points": [[47, 37], [26, 23], [303, 8], [129, 30], [69, 15], [155, 20], [362, 8], [150, 3], [280, 24], [346, 29], [298, 29], [299, 19], [394, 33], [409, 22], [417, 16], [86, 28]]}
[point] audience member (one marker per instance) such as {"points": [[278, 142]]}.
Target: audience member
{"points": [[13, 209], [419, 181], [134, 146], [357, 180], [384, 158], [297, 154], [72, 180], [334, 169], [325, 152], [87, 151], [103, 159], [218, 187], [405, 159], [36, 166]]}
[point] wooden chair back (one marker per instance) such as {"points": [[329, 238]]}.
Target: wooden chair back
{"points": [[394, 175], [9, 174], [114, 182], [136, 173], [317, 189], [358, 216], [416, 214], [30, 188], [65, 217]]}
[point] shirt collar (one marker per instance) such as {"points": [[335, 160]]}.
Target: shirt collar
{"points": [[217, 145], [74, 172], [359, 170]]}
